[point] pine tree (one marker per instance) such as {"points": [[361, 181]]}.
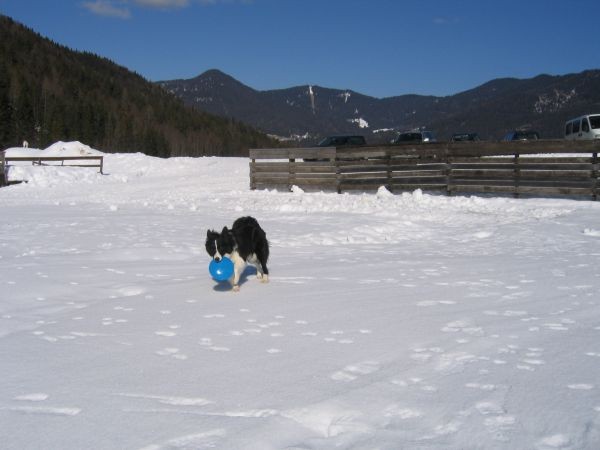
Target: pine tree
{"points": [[6, 135]]}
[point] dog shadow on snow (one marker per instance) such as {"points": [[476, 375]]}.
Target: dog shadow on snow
{"points": [[223, 286]]}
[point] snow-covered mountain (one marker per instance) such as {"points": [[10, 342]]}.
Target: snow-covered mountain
{"points": [[544, 103]]}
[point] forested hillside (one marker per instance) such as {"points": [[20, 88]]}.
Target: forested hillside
{"points": [[50, 93]]}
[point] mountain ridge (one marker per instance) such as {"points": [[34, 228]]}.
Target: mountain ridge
{"points": [[543, 102]]}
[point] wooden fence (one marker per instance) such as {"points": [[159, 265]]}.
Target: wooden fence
{"points": [[93, 161], [544, 167], [3, 180]]}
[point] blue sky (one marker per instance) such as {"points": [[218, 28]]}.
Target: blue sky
{"points": [[376, 47]]}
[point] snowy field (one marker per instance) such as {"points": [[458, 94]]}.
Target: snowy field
{"points": [[390, 321]]}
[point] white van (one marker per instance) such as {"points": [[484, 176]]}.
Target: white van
{"points": [[584, 127]]}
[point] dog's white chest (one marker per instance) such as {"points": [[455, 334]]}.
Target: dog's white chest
{"points": [[237, 260]]}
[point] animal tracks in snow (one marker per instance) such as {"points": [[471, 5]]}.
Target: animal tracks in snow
{"points": [[401, 412], [35, 397], [581, 386], [205, 439], [554, 441], [353, 371], [165, 333], [436, 303], [56, 411], [209, 345], [463, 326], [286, 330], [214, 316], [591, 232], [34, 406], [172, 352], [218, 331], [328, 419], [169, 400]]}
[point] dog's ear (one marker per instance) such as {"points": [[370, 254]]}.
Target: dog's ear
{"points": [[225, 231]]}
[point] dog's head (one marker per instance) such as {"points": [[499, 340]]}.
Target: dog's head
{"points": [[219, 244]]}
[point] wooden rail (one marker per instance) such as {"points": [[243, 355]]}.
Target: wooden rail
{"points": [[544, 167], [72, 161]]}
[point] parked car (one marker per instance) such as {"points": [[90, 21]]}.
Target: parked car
{"points": [[340, 141], [521, 135], [414, 136], [583, 128], [462, 137]]}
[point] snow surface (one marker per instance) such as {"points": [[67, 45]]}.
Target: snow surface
{"points": [[407, 321]]}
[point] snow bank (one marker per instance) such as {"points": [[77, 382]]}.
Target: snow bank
{"points": [[60, 148]]}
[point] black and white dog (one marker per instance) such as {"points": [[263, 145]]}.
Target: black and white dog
{"points": [[246, 242]]}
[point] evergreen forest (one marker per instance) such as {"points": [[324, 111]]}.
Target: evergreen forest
{"points": [[50, 93]]}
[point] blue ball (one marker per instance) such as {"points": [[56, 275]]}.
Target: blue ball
{"points": [[221, 270]]}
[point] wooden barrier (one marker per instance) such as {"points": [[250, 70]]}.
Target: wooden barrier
{"points": [[544, 167], [3, 179], [94, 161]]}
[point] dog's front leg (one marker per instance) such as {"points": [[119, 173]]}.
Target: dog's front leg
{"points": [[238, 268], [235, 279]]}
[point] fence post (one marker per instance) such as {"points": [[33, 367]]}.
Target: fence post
{"points": [[2, 169], [448, 163], [595, 175], [338, 173], [517, 176], [252, 175], [388, 163], [291, 172]]}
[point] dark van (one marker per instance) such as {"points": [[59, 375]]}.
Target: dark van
{"points": [[341, 141]]}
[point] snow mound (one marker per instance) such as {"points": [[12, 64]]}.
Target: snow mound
{"points": [[59, 148], [74, 148]]}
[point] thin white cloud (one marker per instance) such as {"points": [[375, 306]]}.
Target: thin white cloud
{"points": [[107, 8], [444, 20], [171, 4], [163, 4], [121, 9], [214, 2]]}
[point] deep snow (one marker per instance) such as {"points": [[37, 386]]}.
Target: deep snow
{"points": [[408, 321]]}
